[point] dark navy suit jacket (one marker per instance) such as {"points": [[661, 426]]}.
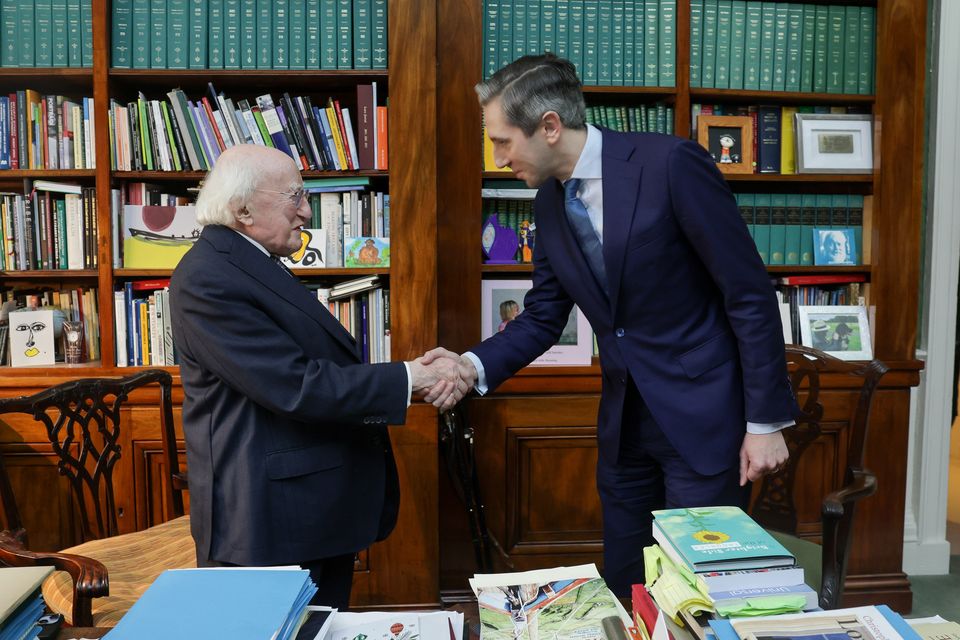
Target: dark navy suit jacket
{"points": [[691, 317], [287, 447]]}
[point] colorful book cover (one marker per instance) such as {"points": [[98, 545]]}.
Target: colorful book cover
{"points": [[366, 251]]}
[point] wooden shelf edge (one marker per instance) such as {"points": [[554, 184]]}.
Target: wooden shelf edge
{"points": [[199, 175], [799, 177], [50, 274], [47, 173], [303, 273], [253, 74], [702, 93]]}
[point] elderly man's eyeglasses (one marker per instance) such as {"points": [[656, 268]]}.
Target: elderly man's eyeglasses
{"points": [[296, 197]]}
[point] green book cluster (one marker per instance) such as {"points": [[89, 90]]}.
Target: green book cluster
{"points": [[611, 42], [782, 225], [46, 33], [782, 46], [656, 118], [249, 34]]}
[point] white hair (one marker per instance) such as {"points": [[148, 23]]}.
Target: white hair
{"points": [[228, 187]]}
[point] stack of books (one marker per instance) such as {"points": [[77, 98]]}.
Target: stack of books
{"points": [[20, 602]]}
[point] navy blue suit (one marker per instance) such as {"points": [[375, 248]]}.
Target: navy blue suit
{"points": [[691, 327], [287, 448]]}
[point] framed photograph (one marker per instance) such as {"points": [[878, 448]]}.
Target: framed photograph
{"points": [[31, 338], [729, 140], [843, 332], [834, 143], [502, 301], [834, 246]]}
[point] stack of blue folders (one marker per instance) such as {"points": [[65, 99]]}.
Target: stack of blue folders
{"points": [[237, 603], [20, 602]]}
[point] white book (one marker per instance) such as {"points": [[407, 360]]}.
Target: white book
{"points": [[168, 349], [331, 217], [120, 327], [154, 357], [89, 135], [74, 209], [350, 139]]}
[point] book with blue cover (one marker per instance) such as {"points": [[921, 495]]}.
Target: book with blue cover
{"points": [[866, 623], [717, 539]]}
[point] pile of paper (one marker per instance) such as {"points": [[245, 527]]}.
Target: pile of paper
{"points": [[20, 602]]}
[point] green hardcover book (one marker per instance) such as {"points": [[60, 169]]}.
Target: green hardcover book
{"points": [[533, 27], [215, 34], [575, 41], [75, 35], [248, 34], [794, 46], [824, 205], [717, 539], [851, 50], [696, 41], [231, 34], [344, 34], [604, 42], [378, 36], [265, 35], [158, 34], [141, 34], [312, 34], [86, 33], [61, 207], [668, 43], [563, 28], [328, 33], [120, 36], [761, 229], [808, 39], [794, 222], [781, 26], [868, 35], [639, 45], [43, 25], [548, 25], [146, 146], [709, 52], [836, 17], [27, 39], [362, 27], [178, 38], [838, 211], [281, 34], [505, 40], [168, 129], [808, 220], [617, 43], [651, 43], [297, 32], [820, 48], [751, 56], [519, 29], [745, 205], [778, 228], [855, 220], [768, 35], [491, 26], [10, 38], [738, 31], [58, 34], [591, 20], [629, 50], [721, 74]]}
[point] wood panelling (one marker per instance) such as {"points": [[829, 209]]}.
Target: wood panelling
{"points": [[43, 496]]}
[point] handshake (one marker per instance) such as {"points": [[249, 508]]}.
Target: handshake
{"points": [[442, 377]]}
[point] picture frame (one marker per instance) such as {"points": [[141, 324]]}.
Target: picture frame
{"points": [[575, 347], [834, 246], [834, 143], [841, 331], [32, 338], [728, 140], [313, 242]]}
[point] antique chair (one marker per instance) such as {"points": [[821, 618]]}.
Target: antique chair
{"points": [[774, 504], [82, 420]]}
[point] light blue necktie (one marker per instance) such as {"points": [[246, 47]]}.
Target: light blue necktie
{"points": [[584, 231]]}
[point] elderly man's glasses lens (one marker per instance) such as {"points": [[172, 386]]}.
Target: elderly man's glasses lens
{"points": [[296, 197]]}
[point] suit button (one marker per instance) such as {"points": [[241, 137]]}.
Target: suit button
{"points": [[366, 421], [620, 332], [623, 381]]}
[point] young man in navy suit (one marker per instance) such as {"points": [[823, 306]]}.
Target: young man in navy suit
{"points": [[287, 445], [642, 232]]}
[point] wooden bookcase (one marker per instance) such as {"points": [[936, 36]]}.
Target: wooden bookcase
{"points": [[544, 419], [402, 569]]}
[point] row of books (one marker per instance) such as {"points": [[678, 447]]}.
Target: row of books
{"points": [[54, 226], [611, 42], [78, 304], [46, 132], [46, 33], [657, 118], [143, 324], [781, 46], [181, 135], [831, 290], [249, 34], [351, 217], [782, 225], [362, 306]]}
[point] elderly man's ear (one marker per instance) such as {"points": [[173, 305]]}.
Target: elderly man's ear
{"points": [[243, 216]]}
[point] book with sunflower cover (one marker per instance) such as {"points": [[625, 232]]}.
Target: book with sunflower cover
{"points": [[717, 539]]}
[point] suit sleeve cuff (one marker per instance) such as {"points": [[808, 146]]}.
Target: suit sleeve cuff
{"points": [[763, 428], [406, 366], [481, 386]]}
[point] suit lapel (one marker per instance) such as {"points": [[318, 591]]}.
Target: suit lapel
{"points": [[621, 186]]}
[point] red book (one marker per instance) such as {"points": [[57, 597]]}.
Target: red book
{"points": [[213, 122], [343, 134], [836, 278], [150, 285], [645, 610], [382, 138]]}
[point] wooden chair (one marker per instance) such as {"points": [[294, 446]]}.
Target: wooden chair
{"points": [[774, 506], [82, 421]]}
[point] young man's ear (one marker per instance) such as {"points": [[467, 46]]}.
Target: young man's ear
{"points": [[550, 121]]}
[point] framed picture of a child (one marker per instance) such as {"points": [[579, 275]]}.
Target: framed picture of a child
{"points": [[841, 331], [729, 140]]}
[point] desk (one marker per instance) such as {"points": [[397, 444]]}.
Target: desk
{"points": [[72, 633]]}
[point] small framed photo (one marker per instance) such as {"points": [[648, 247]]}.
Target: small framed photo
{"points": [[502, 301], [841, 331], [834, 246], [834, 143], [729, 140], [31, 338]]}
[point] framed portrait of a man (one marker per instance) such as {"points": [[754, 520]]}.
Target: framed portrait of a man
{"points": [[841, 331], [834, 246]]}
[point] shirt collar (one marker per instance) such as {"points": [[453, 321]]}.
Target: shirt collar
{"points": [[589, 166], [251, 241]]}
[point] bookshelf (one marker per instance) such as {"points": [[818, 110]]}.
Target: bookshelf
{"points": [[383, 571], [544, 418]]}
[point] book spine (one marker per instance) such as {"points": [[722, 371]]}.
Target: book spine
{"points": [[198, 34]]}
